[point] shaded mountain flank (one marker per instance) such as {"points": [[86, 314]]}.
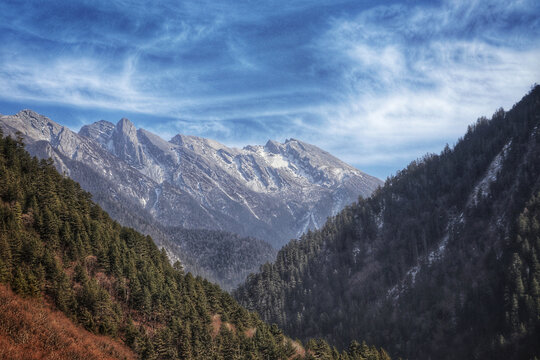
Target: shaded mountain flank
{"points": [[440, 263]]}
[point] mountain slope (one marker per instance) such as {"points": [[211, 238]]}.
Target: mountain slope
{"points": [[57, 245], [229, 257], [31, 330], [438, 263]]}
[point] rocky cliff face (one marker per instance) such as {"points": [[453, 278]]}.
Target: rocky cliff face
{"points": [[273, 192]]}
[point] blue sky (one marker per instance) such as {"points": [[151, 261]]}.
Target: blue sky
{"points": [[376, 83]]}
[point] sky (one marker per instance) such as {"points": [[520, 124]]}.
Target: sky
{"points": [[376, 83]]}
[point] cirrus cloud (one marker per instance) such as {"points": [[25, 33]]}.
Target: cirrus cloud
{"points": [[375, 84]]}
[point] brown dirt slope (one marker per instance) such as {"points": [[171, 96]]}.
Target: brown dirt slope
{"points": [[29, 329]]}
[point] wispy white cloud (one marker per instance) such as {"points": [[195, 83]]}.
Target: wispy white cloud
{"points": [[419, 77], [77, 82], [376, 85]]}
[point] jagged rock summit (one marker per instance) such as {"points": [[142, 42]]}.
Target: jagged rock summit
{"points": [[273, 192]]}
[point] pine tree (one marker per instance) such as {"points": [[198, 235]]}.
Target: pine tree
{"points": [[20, 284]]}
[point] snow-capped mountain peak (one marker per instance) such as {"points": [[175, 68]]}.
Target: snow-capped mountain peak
{"points": [[274, 191]]}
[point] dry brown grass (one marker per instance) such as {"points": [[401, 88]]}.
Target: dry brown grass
{"points": [[250, 332], [299, 351], [217, 323], [31, 330]]}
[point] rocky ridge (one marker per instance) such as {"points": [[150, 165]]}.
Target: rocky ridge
{"points": [[273, 192]]}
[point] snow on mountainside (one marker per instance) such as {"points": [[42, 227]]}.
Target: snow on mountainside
{"points": [[273, 192], [261, 168]]}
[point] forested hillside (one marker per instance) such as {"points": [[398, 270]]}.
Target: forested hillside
{"points": [[58, 246], [219, 256], [440, 263]]}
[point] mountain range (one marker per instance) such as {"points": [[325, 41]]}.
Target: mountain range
{"points": [[169, 189], [273, 192]]}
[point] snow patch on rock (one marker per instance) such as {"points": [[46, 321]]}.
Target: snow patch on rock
{"points": [[481, 190], [438, 253]]}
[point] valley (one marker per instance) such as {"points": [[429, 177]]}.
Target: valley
{"points": [[284, 180], [439, 262]]}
